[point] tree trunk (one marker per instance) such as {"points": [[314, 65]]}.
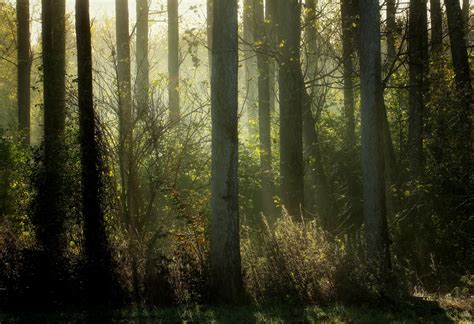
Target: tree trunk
{"points": [[224, 242], [50, 216], [391, 30], [459, 55], [291, 93], [348, 20], [173, 60], [143, 66], [317, 193], [99, 269], [375, 217], [125, 108], [264, 109], [23, 68], [417, 49], [436, 27], [250, 68], [210, 24]]}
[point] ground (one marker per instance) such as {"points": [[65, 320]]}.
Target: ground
{"points": [[417, 310]]}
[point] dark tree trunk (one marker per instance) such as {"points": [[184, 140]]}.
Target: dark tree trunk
{"points": [[436, 26], [50, 210], [348, 36], [291, 93], [125, 108], [417, 59], [224, 242], [459, 55], [264, 122], [317, 193], [375, 217], [23, 68], [143, 66], [250, 68], [99, 269], [173, 60], [391, 30]]}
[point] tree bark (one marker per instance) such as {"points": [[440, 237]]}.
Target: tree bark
{"points": [[264, 109], [125, 108], [143, 66], [462, 72], [375, 217], [173, 60], [224, 242], [291, 93], [23, 68], [99, 267], [417, 59], [50, 215], [250, 68], [436, 26]]}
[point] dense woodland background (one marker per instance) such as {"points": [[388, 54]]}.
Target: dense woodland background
{"points": [[275, 152]]}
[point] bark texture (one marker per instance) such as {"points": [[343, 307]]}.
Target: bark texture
{"points": [[143, 65], [375, 218], [99, 267], [224, 243], [173, 60], [291, 102], [417, 60], [23, 68]]}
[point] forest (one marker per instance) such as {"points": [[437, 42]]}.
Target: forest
{"points": [[236, 161]]}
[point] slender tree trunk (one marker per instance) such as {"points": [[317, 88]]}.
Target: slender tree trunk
{"points": [[99, 269], [291, 93], [372, 136], [210, 24], [348, 20], [50, 213], [125, 107], [462, 72], [126, 154], [318, 197], [224, 242], [391, 30], [173, 60], [270, 17], [417, 49], [264, 122], [436, 27], [23, 68], [250, 67], [143, 66]]}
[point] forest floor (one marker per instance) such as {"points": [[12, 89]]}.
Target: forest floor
{"points": [[418, 310]]}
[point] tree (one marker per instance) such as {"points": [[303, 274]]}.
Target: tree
{"points": [[50, 214], [173, 59], [99, 276], [209, 27], [372, 101], [143, 66], [125, 108], [264, 108], [462, 78], [291, 102], [391, 30], [417, 60], [23, 68], [436, 26], [224, 245], [250, 66], [317, 193]]}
